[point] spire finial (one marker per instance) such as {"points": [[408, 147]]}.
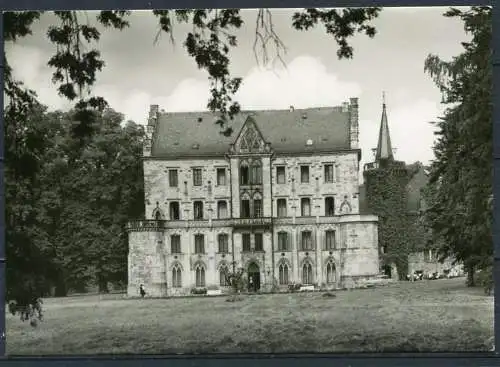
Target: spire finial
{"points": [[383, 98]]}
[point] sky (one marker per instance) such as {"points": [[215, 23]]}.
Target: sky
{"points": [[140, 72]]}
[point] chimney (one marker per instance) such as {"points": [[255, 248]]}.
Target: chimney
{"points": [[345, 106], [150, 129], [354, 123], [292, 109], [154, 110]]}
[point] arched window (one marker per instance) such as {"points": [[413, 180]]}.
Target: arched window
{"points": [[158, 215], [223, 271], [256, 174], [200, 275], [176, 277], [307, 274], [331, 275], [245, 206], [283, 274], [244, 173]]}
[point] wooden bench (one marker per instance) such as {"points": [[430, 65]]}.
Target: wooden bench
{"points": [[214, 292], [306, 288]]}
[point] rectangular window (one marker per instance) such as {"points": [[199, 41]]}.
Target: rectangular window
{"points": [[306, 242], [197, 180], [256, 174], [245, 209], [223, 243], [175, 244], [221, 177], [330, 240], [245, 238], [428, 255], [282, 241], [259, 242], [174, 210], [244, 175], [199, 244], [198, 210], [281, 203], [304, 174], [329, 206], [222, 209], [305, 207], [329, 173], [280, 175], [257, 208], [172, 178]]}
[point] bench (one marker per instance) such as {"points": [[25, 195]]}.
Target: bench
{"points": [[306, 288], [214, 292]]}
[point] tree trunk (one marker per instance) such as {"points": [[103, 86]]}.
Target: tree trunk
{"points": [[61, 290], [103, 285], [470, 276]]}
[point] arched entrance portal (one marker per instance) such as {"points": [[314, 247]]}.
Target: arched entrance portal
{"points": [[253, 277]]}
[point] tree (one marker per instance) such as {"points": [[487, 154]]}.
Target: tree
{"points": [[461, 176], [64, 208]]}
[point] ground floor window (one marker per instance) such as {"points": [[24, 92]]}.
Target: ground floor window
{"points": [[223, 271], [283, 274], [200, 276], [307, 274], [331, 276], [176, 277]]}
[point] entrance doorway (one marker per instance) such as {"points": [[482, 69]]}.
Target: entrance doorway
{"points": [[253, 277]]}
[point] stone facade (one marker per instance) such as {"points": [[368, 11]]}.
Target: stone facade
{"points": [[285, 213], [427, 261]]}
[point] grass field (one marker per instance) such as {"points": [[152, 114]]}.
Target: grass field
{"points": [[440, 315]]}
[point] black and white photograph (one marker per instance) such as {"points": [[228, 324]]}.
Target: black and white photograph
{"points": [[248, 181]]}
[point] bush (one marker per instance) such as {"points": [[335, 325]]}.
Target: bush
{"points": [[485, 279], [294, 287], [31, 311], [198, 291]]}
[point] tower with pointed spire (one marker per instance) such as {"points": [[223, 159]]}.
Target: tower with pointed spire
{"points": [[386, 180]]}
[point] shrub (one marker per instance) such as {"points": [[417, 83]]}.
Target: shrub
{"points": [[198, 291], [485, 279], [294, 287]]}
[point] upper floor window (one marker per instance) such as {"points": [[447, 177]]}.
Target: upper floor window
{"points": [[244, 174], [330, 240], [173, 180], [306, 240], [197, 179], [304, 174], [223, 240], [245, 239], [329, 173], [222, 209], [174, 210], [329, 206], [257, 208], [199, 244], [280, 175], [256, 172], [198, 210], [245, 208], [259, 242], [305, 207], [175, 244], [281, 204], [221, 177], [283, 241]]}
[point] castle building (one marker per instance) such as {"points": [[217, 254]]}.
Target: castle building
{"points": [[278, 198]]}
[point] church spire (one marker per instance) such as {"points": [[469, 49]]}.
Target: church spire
{"points": [[384, 146]]}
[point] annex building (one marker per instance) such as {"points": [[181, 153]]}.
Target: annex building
{"points": [[279, 198]]}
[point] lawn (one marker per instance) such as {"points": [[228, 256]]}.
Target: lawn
{"points": [[441, 315]]}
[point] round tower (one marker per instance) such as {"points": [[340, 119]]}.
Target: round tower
{"points": [[386, 181]]}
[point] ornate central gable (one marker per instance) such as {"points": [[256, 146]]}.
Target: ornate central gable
{"points": [[250, 139]]}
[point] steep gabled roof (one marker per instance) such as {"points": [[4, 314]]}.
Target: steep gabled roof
{"points": [[195, 133], [384, 146]]}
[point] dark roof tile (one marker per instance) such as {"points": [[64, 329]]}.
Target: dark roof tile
{"points": [[286, 130]]}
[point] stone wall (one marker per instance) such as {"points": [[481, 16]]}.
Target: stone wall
{"points": [[418, 261], [344, 188]]}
